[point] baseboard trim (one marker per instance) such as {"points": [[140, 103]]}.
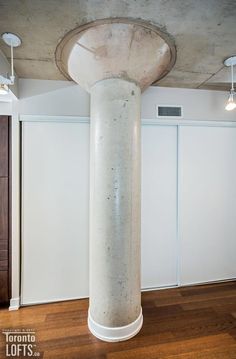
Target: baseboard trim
{"points": [[14, 304], [116, 334]]}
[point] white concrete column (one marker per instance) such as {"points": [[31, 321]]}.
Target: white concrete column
{"points": [[114, 60], [115, 299]]}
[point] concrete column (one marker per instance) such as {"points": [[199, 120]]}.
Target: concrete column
{"points": [[115, 299], [114, 60]]}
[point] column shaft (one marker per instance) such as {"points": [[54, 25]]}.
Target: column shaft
{"points": [[115, 298]]}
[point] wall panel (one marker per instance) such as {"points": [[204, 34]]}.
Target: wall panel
{"points": [[159, 206], [55, 186], [207, 230]]}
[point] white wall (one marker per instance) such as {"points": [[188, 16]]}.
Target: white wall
{"points": [[43, 97], [63, 98], [197, 104], [6, 108]]}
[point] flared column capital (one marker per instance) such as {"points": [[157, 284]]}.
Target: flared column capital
{"points": [[116, 48]]}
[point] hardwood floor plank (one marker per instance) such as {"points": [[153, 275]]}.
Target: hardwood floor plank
{"points": [[101, 348], [175, 348], [228, 296], [218, 353], [209, 303]]}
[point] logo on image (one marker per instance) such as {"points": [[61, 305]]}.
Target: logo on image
{"points": [[20, 343]]}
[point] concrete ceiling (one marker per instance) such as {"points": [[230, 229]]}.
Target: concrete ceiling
{"points": [[204, 32]]}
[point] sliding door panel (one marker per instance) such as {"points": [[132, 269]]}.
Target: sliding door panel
{"points": [[207, 183], [159, 206], [55, 185]]}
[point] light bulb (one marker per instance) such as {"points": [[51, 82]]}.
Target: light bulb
{"points": [[231, 105], [3, 89]]}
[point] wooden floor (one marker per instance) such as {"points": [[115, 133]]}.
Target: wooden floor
{"points": [[196, 322]]}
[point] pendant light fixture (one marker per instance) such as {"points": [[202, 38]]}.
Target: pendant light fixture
{"points": [[11, 40], [4, 90], [231, 103]]}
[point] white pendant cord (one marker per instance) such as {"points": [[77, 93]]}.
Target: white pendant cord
{"points": [[12, 77], [232, 78]]}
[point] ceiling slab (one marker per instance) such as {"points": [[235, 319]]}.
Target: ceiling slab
{"points": [[185, 79], [38, 69], [204, 33]]}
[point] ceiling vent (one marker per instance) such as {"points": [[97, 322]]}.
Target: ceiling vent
{"points": [[169, 111]]}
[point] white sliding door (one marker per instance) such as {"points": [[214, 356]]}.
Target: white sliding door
{"points": [[55, 185], [159, 206], [55, 199], [207, 175]]}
